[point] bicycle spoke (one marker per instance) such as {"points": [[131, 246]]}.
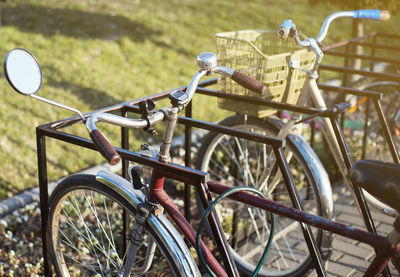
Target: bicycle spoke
{"points": [[235, 159], [99, 224], [86, 227], [236, 181], [246, 169], [83, 237], [239, 162], [84, 265]]}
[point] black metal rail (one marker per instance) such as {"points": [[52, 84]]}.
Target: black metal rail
{"points": [[188, 176]]}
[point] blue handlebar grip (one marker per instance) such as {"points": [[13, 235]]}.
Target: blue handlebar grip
{"points": [[369, 14], [284, 30]]}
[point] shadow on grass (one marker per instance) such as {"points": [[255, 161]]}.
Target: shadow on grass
{"points": [[94, 98], [50, 21]]}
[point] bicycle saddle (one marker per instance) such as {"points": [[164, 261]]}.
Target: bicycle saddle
{"points": [[380, 179]]}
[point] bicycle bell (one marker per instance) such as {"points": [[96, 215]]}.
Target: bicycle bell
{"points": [[207, 60]]}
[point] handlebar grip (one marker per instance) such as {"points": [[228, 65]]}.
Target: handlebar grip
{"points": [[372, 14], [284, 30], [248, 82], [105, 147]]}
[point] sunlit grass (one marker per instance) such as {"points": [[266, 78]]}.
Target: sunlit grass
{"points": [[98, 53]]}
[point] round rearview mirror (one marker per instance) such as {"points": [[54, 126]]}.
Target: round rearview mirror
{"points": [[23, 71]]}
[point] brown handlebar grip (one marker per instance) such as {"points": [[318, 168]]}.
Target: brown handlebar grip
{"points": [[385, 15], [248, 82], [105, 147]]}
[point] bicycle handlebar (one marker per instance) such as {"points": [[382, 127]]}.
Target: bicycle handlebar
{"points": [[381, 15], [105, 147], [248, 82], [208, 64], [287, 26], [367, 14], [102, 144]]}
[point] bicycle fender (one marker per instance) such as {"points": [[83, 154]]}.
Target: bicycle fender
{"points": [[158, 224], [323, 183], [317, 170]]}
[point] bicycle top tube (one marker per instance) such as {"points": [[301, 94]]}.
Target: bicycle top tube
{"points": [[179, 99]]}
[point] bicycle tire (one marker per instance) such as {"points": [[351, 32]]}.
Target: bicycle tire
{"points": [[323, 239], [95, 247]]}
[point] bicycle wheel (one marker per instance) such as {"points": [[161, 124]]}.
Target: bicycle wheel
{"points": [[85, 233], [238, 162]]}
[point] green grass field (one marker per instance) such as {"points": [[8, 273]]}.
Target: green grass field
{"points": [[97, 53]]}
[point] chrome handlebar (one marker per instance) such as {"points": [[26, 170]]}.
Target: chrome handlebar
{"points": [[381, 15], [208, 65], [288, 28], [121, 121], [325, 26]]}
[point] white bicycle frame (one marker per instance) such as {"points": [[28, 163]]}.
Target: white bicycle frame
{"points": [[311, 89]]}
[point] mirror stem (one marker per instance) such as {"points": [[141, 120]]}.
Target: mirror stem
{"points": [[59, 105]]}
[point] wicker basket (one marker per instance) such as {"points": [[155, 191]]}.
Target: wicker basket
{"points": [[265, 57]]}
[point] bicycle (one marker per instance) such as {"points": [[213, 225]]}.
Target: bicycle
{"points": [[242, 154], [148, 226]]}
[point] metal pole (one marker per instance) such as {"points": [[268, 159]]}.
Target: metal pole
{"points": [[308, 235], [218, 232], [362, 203], [346, 80], [188, 146], [386, 131], [44, 196], [366, 130], [125, 164], [371, 65]]}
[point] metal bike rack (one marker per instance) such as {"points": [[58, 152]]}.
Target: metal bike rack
{"points": [[347, 54], [53, 130]]}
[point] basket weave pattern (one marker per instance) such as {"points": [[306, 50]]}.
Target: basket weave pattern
{"points": [[265, 57]]}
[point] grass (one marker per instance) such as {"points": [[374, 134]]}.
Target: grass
{"points": [[97, 53]]}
